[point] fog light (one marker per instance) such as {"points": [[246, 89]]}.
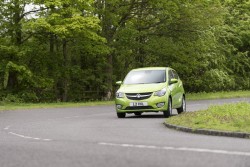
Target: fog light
{"points": [[118, 106], [160, 105]]}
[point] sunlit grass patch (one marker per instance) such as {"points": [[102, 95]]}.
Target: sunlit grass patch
{"points": [[15, 106], [217, 95], [227, 117]]}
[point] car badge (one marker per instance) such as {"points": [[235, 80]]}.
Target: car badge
{"points": [[138, 96]]}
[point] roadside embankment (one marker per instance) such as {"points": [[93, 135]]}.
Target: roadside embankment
{"points": [[223, 120]]}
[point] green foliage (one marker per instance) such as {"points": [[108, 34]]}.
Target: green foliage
{"points": [[28, 97], [10, 98], [216, 80], [66, 50], [24, 76]]}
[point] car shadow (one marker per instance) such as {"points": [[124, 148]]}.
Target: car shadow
{"points": [[132, 116]]}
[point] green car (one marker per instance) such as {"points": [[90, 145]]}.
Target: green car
{"points": [[152, 89]]}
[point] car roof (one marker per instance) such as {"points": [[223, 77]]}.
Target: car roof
{"points": [[150, 68]]}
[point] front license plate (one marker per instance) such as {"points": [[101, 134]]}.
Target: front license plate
{"points": [[133, 104]]}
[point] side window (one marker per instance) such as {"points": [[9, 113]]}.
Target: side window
{"points": [[170, 75], [175, 75]]}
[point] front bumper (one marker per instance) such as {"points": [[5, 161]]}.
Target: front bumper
{"points": [[151, 101]]}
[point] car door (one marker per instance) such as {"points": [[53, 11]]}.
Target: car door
{"points": [[178, 90], [173, 87]]}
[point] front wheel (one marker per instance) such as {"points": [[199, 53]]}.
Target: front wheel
{"points": [[183, 106], [167, 113], [121, 115]]}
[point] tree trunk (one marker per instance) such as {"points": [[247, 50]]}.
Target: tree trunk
{"points": [[109, 28], [17, 40], [108, 31], [66, 75], [17, 17], [51, 44], [109, 77]]}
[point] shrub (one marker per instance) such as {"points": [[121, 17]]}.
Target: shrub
{"points": [[217, 80]]}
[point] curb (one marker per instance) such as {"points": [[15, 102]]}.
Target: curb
{"points": [[208, 132]]}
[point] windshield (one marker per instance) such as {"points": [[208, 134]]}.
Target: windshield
{"points": [[145, 77]]}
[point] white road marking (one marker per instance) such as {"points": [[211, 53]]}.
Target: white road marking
{"points": [[179, 149], [36, 138], [54, 119], [190, 105], [47, 139], [7, 127], [28, 137], [71, 117]]}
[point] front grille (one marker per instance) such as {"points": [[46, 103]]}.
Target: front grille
{"points": [[138, 108], [138, 96]]}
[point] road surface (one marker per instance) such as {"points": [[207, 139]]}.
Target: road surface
{"points": [[95, 137]]}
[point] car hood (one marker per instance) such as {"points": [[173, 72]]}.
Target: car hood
{"points": [[140, 88]]}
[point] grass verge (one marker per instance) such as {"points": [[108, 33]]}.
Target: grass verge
{"points": [[189, 96], [16, 106], [217, 95], [227, 117]]}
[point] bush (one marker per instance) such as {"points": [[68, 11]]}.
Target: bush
{"points": [[28, 97], [217, 80], [10, 98]]}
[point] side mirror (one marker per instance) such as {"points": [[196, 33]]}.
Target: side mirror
{"points": [[173, 80], [118, 82]]}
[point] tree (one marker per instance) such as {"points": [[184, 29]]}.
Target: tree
{"points": [[75, 50], [64, 22]]}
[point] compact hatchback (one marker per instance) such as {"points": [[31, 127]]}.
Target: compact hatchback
{"points": [[152, 89]]}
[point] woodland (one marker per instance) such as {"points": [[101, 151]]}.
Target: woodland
{"points": [[75, 50]]}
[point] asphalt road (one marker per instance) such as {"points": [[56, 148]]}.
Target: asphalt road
{"points": [[95, 137]]}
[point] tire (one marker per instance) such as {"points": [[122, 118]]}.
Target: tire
{"points": [[183, 106], [138, 113], [121, 115], [167, 113]]}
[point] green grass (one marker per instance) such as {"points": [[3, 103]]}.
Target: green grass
{"points": [[16, 106], [217, 95], [227, 117], [190, 96]]}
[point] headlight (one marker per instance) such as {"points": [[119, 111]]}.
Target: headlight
{"points": [[119, 94], [161, 92]]}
